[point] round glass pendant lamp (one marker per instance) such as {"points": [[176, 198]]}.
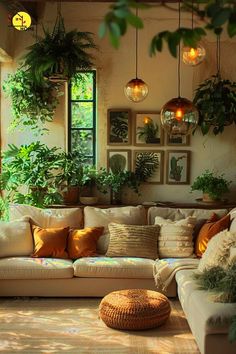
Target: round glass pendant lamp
{"points": [[136, 90], [193, 56], [179, 116]]}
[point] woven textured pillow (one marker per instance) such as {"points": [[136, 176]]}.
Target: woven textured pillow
{"points": [[212, 227], [83, 243], [218, 250], [133, 241], [50, 242], [176, 237]]}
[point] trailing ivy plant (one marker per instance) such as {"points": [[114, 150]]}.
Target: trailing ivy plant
{"points": [[215, 99], [32, 105]]}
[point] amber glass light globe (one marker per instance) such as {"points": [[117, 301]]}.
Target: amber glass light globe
{"points": [[136, 90], [179, 116], [193, 56]]}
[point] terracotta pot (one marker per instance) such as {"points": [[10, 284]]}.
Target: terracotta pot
{"points": [[206, 198], [71, 195]]}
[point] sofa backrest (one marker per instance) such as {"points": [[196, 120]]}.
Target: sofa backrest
{"points": [[178, 213]]}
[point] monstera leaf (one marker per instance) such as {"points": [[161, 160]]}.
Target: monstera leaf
{"points": [[146, 164]]}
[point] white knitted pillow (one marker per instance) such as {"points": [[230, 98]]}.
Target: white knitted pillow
{"points": [[218, 250], [176, 237]]}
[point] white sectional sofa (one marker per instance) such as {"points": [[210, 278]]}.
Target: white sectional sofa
{"points": [[21, 275]]}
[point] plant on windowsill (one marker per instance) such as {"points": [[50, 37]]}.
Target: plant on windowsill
{"points": [[29, 173], [59, 54], [32, 105], [213, 186]]}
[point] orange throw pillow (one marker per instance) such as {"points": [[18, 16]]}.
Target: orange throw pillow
{"points": [[212, 227], [83, 243], [50, 242]]}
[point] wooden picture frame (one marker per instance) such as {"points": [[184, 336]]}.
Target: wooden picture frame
{"points": [[178, 167], [119, 127], [120, 164], [148, 130], [177, 140], [139, 157]]}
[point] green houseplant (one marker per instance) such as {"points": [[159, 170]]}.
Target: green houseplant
{"points": [[213, 186], [215, 99], [59, 54], [29, 174], [32, 104]]}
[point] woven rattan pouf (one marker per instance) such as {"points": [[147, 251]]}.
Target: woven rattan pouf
{"points": [[134, 309]]}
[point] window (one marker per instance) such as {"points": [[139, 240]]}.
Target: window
{"points": [[82, 115]]}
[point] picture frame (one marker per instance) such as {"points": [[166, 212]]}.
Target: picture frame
{"points": [[148, 129], [118, 160], [119, 126], [142, 162], [177, 140], [178, 167]]}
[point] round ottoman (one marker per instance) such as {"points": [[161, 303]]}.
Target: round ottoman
{"points": [[134, 309]]}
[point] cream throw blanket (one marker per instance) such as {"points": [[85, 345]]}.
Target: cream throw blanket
{"points": [[164, 270]]}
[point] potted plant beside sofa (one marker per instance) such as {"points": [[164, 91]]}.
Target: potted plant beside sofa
{"points": [[213, 186]]}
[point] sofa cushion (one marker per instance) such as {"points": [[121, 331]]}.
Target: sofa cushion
{"points": [[102, 217], [46, 218], [178, 213], [205, 315], [212, 227], [50, 242], [35, 268], [107, 267], [133, 240], [83, 243], [15, 238], [218, 250], [175, 239]]}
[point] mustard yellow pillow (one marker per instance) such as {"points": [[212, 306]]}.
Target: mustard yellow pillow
{"points": [[83, 243], [50, 242], [212, 227]]}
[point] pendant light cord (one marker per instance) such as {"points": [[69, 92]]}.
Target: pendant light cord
{"points": [[179, 59], [136, 47], [218, 55]]}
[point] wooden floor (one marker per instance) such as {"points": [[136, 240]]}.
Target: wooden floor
{"points": [[62, 325]]}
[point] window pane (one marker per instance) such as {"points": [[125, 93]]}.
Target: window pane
{"points": [[82, 141], [82, 86], [82, 114]]}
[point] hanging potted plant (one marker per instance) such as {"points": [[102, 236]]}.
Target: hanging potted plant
{"points": [[59, 54], [215, 100]]}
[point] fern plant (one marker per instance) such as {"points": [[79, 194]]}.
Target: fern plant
{"points": [[59, 54]]}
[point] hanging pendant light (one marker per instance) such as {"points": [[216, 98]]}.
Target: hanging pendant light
{"points": [[193, 56], [136, 90], [179, 116]]}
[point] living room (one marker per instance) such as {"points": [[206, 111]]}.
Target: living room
{"points": [[72, 139]]}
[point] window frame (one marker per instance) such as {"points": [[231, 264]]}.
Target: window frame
{"points": [[94, 104]]}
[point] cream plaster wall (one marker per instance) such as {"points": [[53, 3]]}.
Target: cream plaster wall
{"points": [[114, 69]]}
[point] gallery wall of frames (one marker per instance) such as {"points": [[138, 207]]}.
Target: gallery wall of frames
{"points": [[135, 138]]}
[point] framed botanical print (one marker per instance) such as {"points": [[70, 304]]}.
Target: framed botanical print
{"points": [[118, 160], [148, 165], [177, 140], [148, 130], [177, 167], [119, 127]]}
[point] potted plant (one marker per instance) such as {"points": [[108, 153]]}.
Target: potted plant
{"points": [[213, 186], [149, 132], [88, 185], [32, 104], [215, 100], [70, 177], [58, 55], [29, 174]]}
